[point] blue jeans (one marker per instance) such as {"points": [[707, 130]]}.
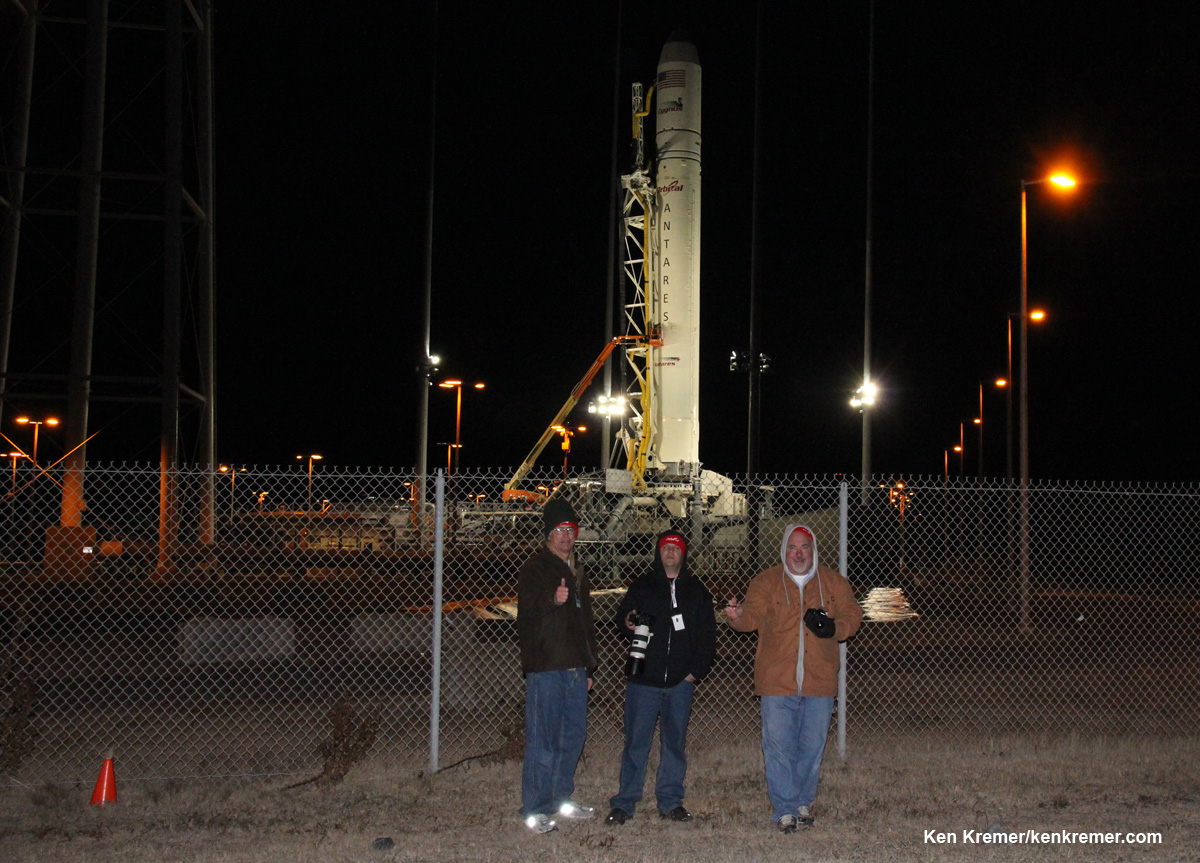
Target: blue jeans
{"points": [[555, 728], [671, 708], [794, 729]]}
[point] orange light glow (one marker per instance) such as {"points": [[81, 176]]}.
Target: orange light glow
{"points": [[1001, 382], [1062, 180], [1037, 315]]}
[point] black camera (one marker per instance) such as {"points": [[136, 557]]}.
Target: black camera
{"points": [[820, 623], [636, 664]]}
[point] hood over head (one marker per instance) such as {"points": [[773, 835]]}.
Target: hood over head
{"points": [[787, 534], [670, 537]]}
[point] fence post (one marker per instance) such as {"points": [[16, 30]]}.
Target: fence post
{"points": [[436, 648], [843, 559]]}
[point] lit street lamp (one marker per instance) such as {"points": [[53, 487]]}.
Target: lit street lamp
{"points": [[1006, 383], [311, 459], [233, 472], [961, 454], [979, 422], [898, 497], [457, 386], [1066, 183], [566, 434], [14, 456], [450, 450], [37, 424], [864, 400]]}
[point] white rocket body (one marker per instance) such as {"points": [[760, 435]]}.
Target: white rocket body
{"points": [[677, 363]]}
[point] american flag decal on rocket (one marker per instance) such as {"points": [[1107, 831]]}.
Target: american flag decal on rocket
{"points": [[672, 78]]}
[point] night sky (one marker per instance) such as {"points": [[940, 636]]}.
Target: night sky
{"points": [[323, 154], [322, 141]]}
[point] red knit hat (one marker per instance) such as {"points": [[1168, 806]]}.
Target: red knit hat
{"points": [[675, 540]]}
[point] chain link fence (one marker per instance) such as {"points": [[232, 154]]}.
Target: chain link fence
{"points": [[207, 623]]}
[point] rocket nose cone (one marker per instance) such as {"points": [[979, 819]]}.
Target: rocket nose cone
{"points": [[679, 49]]}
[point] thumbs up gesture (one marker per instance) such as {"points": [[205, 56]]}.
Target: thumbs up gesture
{"points": [[560, 594]]}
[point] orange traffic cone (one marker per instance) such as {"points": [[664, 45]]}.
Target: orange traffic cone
{"points": [[106, 785]]}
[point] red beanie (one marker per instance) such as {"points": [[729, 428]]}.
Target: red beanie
{"points": [[675, 540]]}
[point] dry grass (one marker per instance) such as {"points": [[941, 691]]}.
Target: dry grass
{"points": [[876, 805]]}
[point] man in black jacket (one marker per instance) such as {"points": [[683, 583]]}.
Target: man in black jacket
{"points": [[558, 658], [680, 651]]}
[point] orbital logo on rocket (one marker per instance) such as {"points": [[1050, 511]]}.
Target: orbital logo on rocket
{"points": [[673, 186], [670, 107]]}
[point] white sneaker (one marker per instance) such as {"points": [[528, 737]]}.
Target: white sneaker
{"points": [[571, 809], [787, 824], [540, 823], [805, 819]]}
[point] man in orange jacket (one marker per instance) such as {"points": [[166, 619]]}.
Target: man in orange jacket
{"points": [[801, 609]]}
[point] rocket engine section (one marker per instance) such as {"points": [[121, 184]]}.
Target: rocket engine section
{"points": [[676, 365]]}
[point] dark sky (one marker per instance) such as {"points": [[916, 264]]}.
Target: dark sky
{"points": [[323, 126], [323, 133]]}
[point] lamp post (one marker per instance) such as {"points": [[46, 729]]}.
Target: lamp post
{"points": [[311, 459], [457, 386], [1006, 384], [979, 423], [864, 400], [566, 434], [233, 472], [15, 456], [898, 497], [450, 450], [960, 449], [37, 425], [1023, 544]]}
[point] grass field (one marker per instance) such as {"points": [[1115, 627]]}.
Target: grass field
{"points": [[877, 804]]}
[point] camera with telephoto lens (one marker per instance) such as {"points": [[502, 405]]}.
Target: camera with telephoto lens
{"points": [[636, 664], [820, 623]]}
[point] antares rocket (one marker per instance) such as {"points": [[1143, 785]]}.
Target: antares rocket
{"points": [[661, 339], [676, 364]]}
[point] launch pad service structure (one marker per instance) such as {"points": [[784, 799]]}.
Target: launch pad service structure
{"points": [[659, 436]]}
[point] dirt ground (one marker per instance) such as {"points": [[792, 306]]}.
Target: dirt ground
{"points": [[897, 799]]}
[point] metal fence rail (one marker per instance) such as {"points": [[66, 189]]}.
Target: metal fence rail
{"points": [[206, 623]]}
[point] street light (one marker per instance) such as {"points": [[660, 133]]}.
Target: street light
{"points": [[37, 424], [233, 472], [311, 459], [457, 386], [979, 422], [1006, 383], [864, 400], [898, 497], [450, 448], [14, 456], [1065, 182], [566, 434], [960, 449]]}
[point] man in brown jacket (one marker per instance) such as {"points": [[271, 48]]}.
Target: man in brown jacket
{"points": [[558, 659], [801, 609]]}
